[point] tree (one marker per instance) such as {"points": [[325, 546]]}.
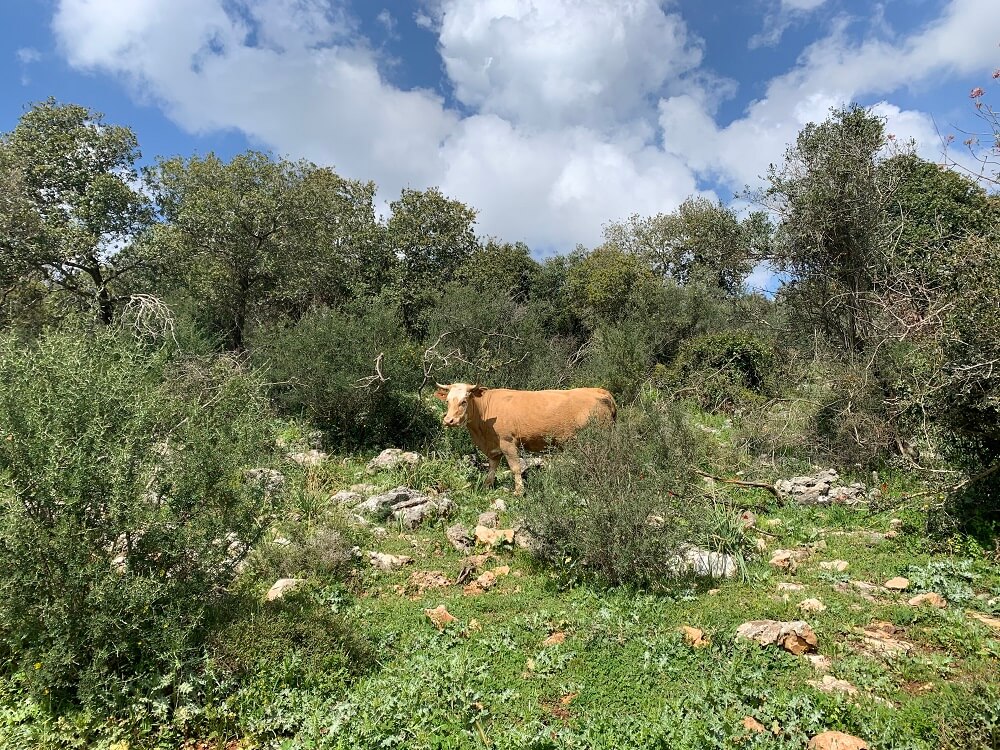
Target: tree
{"points": [[259, 235], [69, 204], [833, 200], [701, 241], [432, 236]]}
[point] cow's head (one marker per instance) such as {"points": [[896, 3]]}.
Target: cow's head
{"points": [[457, 397]]}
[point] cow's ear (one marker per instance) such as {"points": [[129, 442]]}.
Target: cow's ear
{"points": [[478, 390], [441, 393]]}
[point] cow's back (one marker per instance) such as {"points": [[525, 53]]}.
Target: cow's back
{"points": [[536, 418]]}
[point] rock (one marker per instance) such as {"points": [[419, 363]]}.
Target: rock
{"points": [[784, 586], [499, 505], [281, 587], [838, 566], [897, 584], [380, 532], [393, 458], [386, 562], [811, 605], [494, 537], [407, 505], [501, 571], [931, 598], [796, 636], [714, 592], [819, 663], [753, 725], [555, 639], [788, 559], [760, 545], [694, 637], [748, 519], [487, 580], [460, 538], [422, 580], [440, 617], [836, 741], [363, 489], [311, 457], [990, 622], [346, 497], [880, 639], [830, 684], [271, 480], [821, 489], [692, 560], [490, 519]]}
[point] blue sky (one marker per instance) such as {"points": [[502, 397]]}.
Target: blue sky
{"points": [[551, 117]]}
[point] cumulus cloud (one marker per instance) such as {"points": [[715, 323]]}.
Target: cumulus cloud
{"points": [[567, 113]]}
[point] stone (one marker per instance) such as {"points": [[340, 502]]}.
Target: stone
{"points": [[795, 636], [694, 637], [897, 584], [753, 725], [422, 580], [788, 559], [271, 480], [836, 741], [487, 580], [555, 639], [406, 505], [281, 587], [493, 537], [831, 684], [820, 489], [460, 538], [819, 662], [499, 505], [838, 566], [811, 605], [393, 458], [785, 586], [311, 457], [346, 497], [990, 622], [931, 598], [693, 560], [880, 639], [440, 617], [387, 562], [490, 519]]}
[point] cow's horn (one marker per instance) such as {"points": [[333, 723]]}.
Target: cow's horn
{"points": [[442, 387]]}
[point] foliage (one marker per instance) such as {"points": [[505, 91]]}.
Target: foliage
{"points": [[258, 237], [121, 526], [69, 203], [723, 370], [702, 242], [952, 579], [595, 502], [323, 367], [606, 283]]}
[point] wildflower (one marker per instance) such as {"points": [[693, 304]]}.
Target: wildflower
{"points": [[38, 665], [996, 73], [977, 92]]}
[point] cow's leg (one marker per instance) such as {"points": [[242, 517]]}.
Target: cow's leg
{"points": [[491, 476], [514, 462]]}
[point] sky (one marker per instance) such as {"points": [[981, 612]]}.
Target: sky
{"points": [[550, 117]]}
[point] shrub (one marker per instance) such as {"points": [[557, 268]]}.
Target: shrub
{"points": [[597, 503], [723, 370], [318, 368], [125, 507]]}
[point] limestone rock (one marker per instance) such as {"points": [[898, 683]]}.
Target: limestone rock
{"points": [[897, 584], [931, 598], [694, 560], [494, 537], [838, 566], [387, 562], [281, 587], [836, 741], [788, 559], [311, 457], [460, 538], [440, 617], [811, 605], [795, 636], [830, 684], [490, 519], [694, 637], [393, 458], [785, 586]]}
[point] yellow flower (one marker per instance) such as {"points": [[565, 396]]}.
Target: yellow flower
{"points": [[38, 665]]}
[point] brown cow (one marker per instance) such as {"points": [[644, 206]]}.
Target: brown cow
{"points": [[501, 420]]}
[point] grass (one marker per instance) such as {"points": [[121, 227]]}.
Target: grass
{"points": [[623, 677]]}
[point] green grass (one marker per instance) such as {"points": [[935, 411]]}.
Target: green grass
{"points": [[623, 677]]}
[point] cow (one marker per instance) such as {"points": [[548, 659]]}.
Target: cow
{"points": [[501, 420]]}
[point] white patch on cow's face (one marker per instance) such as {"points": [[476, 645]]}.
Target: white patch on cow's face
{"points": [[458, 404]]}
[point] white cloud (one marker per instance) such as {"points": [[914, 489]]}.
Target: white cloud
{"points": [[831, 72], [574, 112], [777, 20], [28, 55], [553, 63]]}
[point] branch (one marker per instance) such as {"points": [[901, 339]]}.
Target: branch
{"points": [[741, 483]]}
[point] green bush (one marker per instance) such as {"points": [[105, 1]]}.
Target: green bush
{"points": [[597, 504], [323, 369], [722, 371], [126, 507]]}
